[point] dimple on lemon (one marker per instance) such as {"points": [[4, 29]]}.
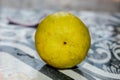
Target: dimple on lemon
{"points": [[62, 40]]}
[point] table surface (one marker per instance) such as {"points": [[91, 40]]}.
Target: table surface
{"points": [[20, 61], [94, 5]]}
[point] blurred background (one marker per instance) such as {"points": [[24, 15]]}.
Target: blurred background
{"points": [[89, 5], [19, 20]]}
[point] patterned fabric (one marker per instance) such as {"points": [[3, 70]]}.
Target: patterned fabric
{"points": [[20, 61]]}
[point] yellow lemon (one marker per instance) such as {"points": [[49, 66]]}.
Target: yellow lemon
{"points": [[62, 40]]}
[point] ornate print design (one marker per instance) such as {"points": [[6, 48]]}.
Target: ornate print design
{"points": [[17, 40]]}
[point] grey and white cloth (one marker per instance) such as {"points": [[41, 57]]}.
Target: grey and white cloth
{"points": [[20, 61]]}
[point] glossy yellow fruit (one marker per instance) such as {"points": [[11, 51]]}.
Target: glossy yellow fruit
{"points": [[62, 40]]}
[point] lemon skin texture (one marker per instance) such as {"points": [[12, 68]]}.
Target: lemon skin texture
{"points": [[62, 40]]}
